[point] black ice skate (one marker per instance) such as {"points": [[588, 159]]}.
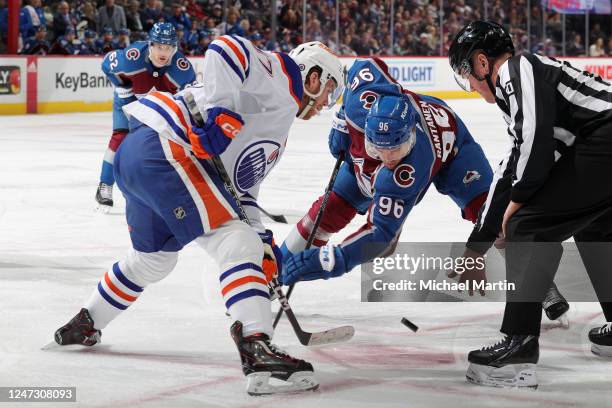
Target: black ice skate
{"points": [[79, 330], [104, 197], [509, 363], [555, 306], [268, 369], [601, 340]]}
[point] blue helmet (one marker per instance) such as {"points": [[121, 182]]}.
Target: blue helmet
{"points": [[390, 122], [163, 33]]}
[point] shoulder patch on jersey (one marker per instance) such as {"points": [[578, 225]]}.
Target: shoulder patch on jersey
{"points": [[403, 175], [509, 88], [368, 98], [132, 54], [183, 64]]}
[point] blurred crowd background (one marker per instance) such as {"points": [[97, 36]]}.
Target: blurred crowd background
{"points": [[350, 27]]}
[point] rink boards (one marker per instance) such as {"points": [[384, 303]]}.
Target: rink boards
{"points": [[60, 84]]}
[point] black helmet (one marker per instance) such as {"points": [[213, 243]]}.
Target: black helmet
{"points": [[487, 36]]}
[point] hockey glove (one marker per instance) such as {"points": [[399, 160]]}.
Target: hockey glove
{"points": [[273, 260], [339, 139], [319, 263], [221, 126]]}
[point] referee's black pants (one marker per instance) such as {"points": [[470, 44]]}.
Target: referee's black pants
{"points": [[575, 201]]}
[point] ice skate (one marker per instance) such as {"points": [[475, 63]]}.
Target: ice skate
{"points": [[79, 330], [104, 197], [268, 369], [555, 306], [509, 363], [601, 340]]}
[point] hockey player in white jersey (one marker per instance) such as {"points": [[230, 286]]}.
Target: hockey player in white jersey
{"points": [[174, 196]]}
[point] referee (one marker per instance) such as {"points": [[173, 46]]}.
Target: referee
{"points": [[559, 164]]}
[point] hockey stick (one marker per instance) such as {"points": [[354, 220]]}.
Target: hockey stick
{"points": [[315, 226], [338, 334], [274, 217]]}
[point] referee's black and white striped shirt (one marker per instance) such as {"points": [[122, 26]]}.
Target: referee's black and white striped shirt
{"points": [[548, 105]]}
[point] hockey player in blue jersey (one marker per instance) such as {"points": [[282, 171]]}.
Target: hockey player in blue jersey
{"points": [[135, 71], [398, 144]]}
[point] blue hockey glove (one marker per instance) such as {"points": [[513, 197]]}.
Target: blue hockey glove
{"points": [[339, 139], [319, 263], [273, 259], [221, 126]]}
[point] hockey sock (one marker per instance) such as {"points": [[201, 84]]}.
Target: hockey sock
{"points": [[246, 297], [106, 176], [115, 293]]}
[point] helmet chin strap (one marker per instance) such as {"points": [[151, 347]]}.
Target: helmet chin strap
{"points": [[307, 107], [311, 102]]}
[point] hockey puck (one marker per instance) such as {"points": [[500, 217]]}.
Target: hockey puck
{"points": [[409, 324]]}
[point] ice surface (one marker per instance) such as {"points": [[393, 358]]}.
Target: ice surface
{"points": [[172, 348]]}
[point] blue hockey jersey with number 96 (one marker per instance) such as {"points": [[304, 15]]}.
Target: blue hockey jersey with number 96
{"points": [[444, 154]]}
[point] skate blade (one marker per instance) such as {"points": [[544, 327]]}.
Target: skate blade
{"points": [[102, 209], [564, 321], [337, 335], [601, 351], [70, 347], [262, 383], [509, 376]]}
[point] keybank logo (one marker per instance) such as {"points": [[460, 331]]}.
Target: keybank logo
{"points": [[83, 80]]}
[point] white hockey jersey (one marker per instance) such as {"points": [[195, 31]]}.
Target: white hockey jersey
{"points": [[265, 88]]}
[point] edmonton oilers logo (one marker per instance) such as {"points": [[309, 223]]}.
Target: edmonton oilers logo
{"points": [[402, 175], [132, 54], [182, 64], [254, 163]]}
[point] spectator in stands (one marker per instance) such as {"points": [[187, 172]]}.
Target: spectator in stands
{"points": [[111, 15], [37, 16], [182, 41], [576, 47], [422, 47], [107, 43], [232, 26], [133, 17], [88, 46], [194, 10], [596, 33], [124, 39], [286, 44], [65, 44], [37, 45], [88, 14], [26, 27], [63, 20], [204, 39], [211, 27], [178, 16], [191, 38], [597, 49], [362, 45], [3, 21], [150, 15], [217, 14]]}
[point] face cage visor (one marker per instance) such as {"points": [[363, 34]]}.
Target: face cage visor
{"points": [[462, 75], [403, 148]]}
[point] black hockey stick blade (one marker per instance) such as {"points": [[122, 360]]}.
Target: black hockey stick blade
{"points": [[274, 217]]}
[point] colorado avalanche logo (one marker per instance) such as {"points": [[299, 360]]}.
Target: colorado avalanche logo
{"points": [[182, 64], [471, 175], [132, 54], [254, 163], [403, 175], [368, 98]]}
